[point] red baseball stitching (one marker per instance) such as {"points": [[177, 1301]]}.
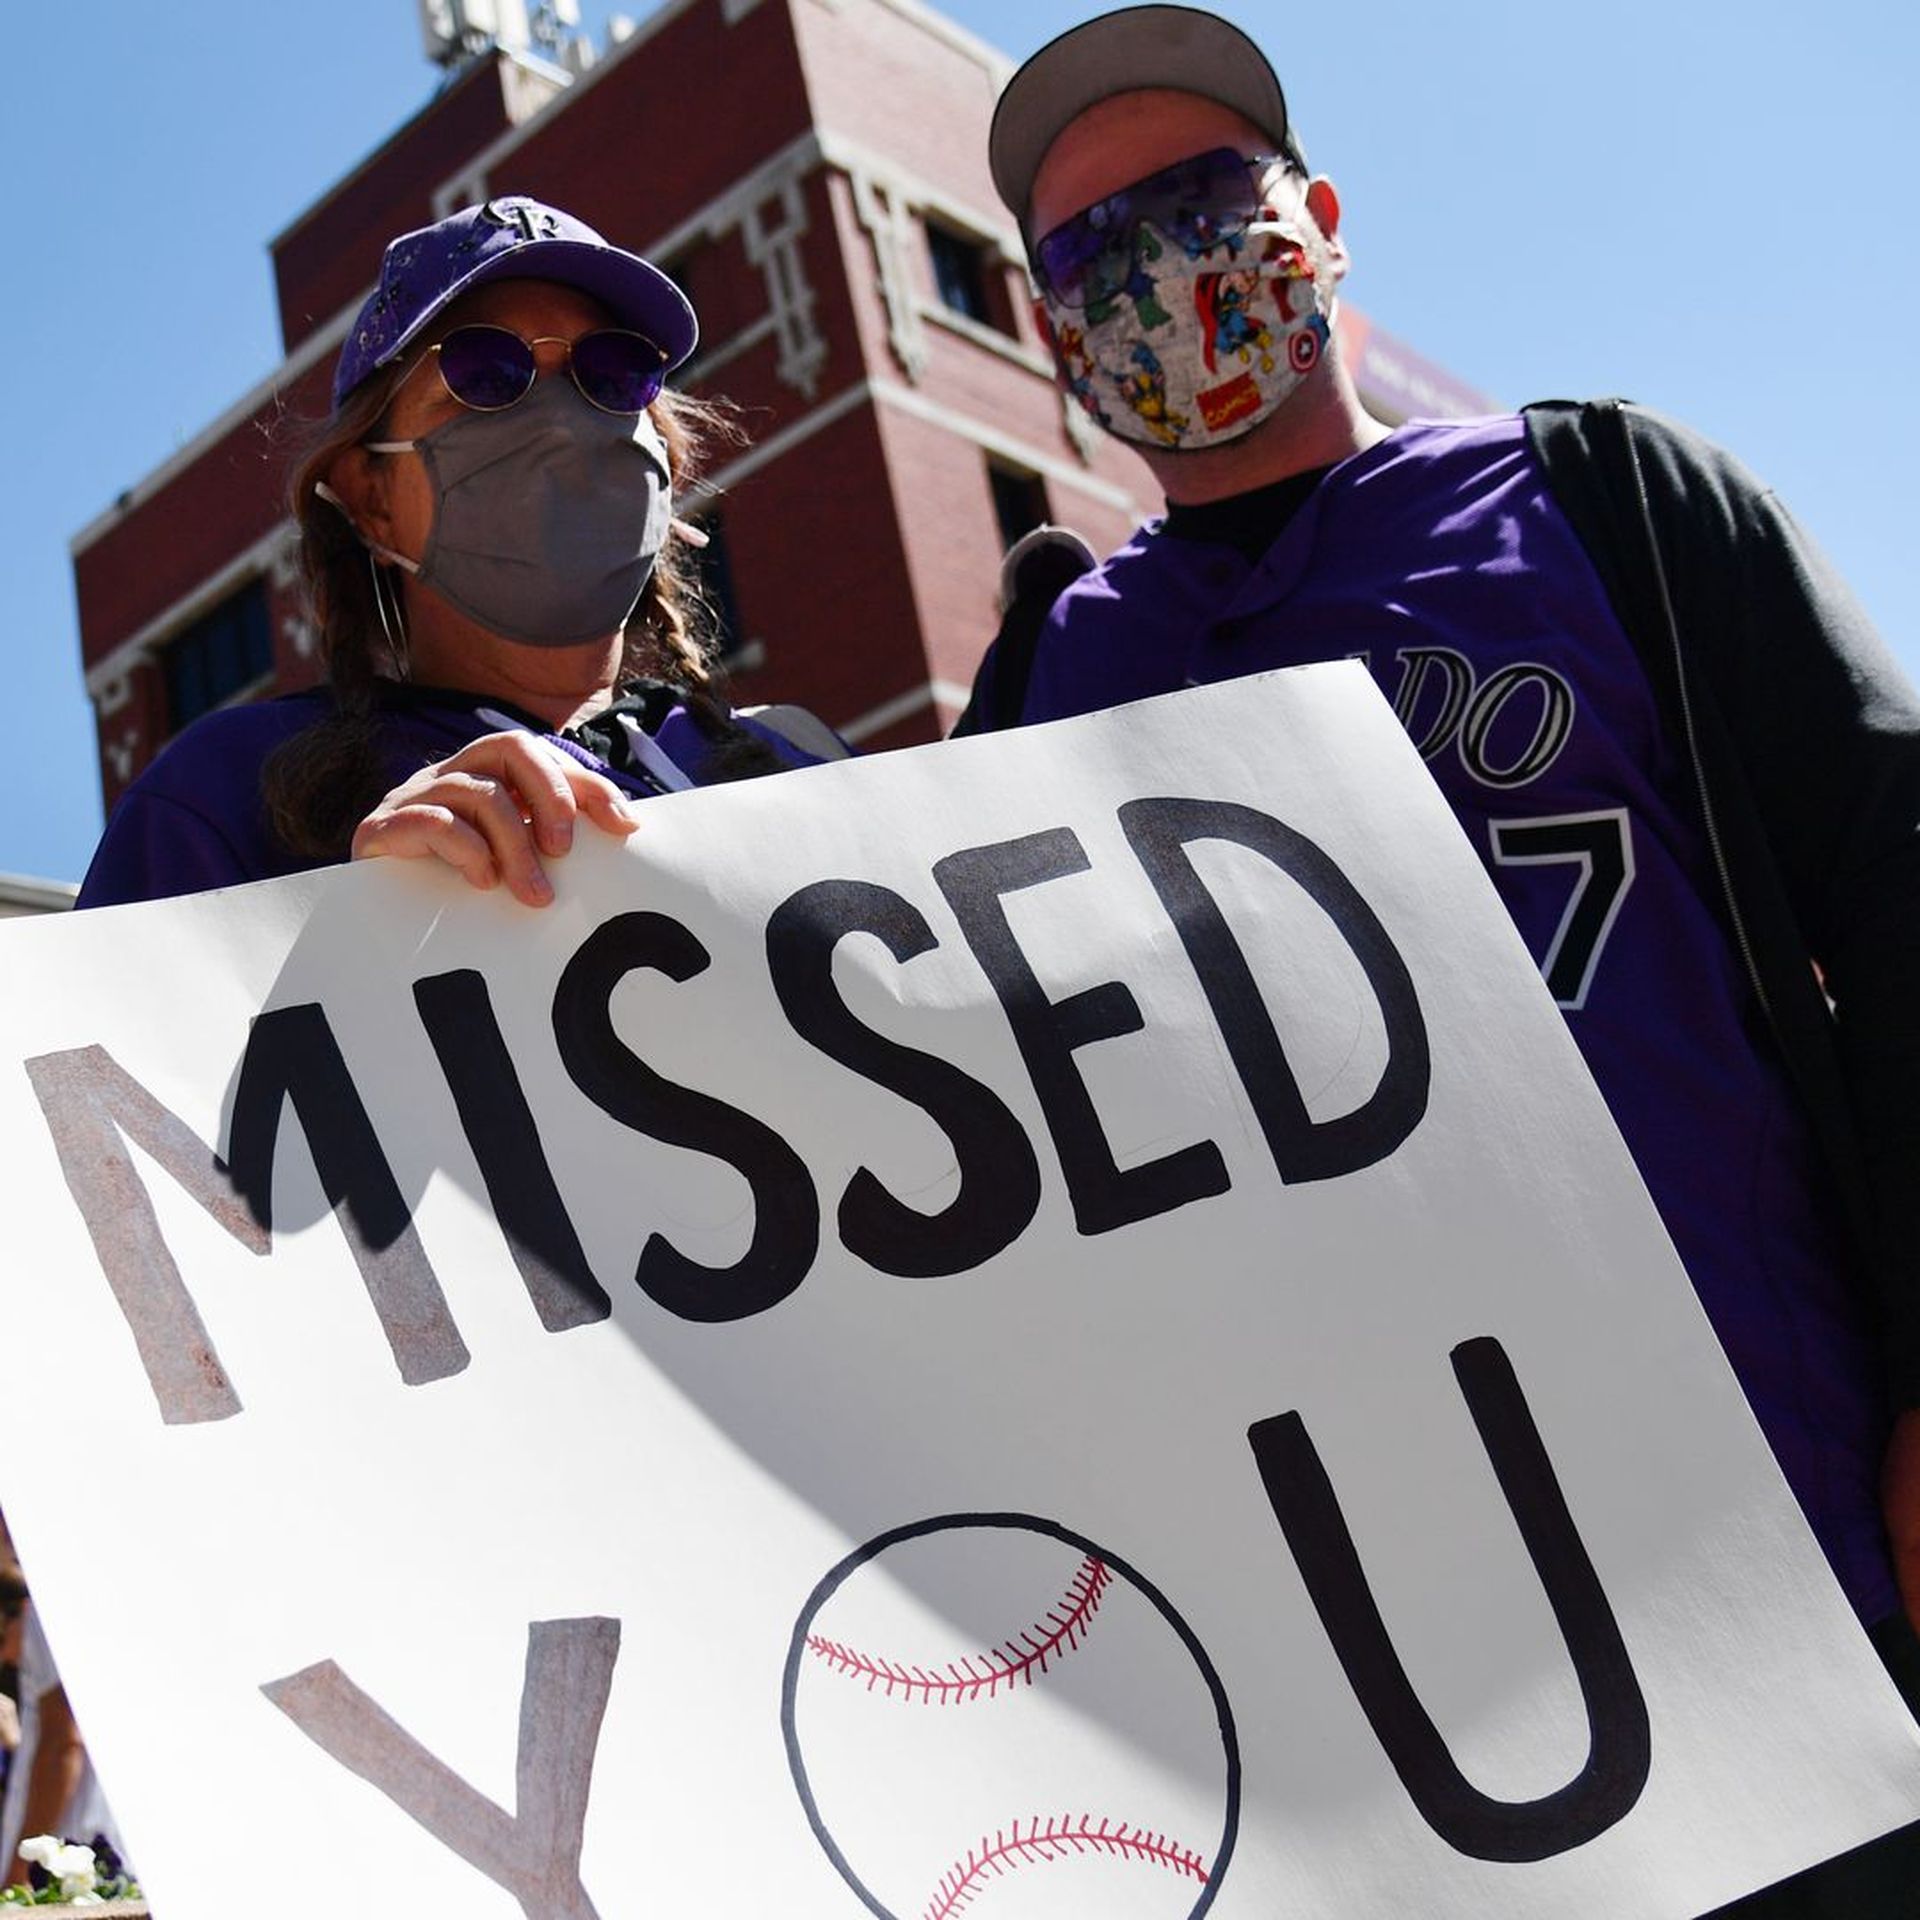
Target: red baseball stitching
{"points": [[1053, 1840], [1059, 1631]]}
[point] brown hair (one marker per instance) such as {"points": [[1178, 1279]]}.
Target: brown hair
{"points": [[13, 1583], [319, 785]]}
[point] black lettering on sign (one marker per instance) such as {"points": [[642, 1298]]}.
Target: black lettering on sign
{"points": [[534, 1851], [1620, 1745], [999, 1176], [1049, 1032], [786, 1223], [93, 1107], [292, 1056], [1303, 1148], [457, 1012]]}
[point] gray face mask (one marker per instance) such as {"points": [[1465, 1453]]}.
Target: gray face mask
{"points": [[547, 518]]}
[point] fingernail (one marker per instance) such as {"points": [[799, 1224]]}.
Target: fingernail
{"points": [[539, 886]]}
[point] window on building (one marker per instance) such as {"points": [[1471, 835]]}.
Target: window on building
{"points": [[223, 653], [1019, 501], [963, 272], [688, 268]]}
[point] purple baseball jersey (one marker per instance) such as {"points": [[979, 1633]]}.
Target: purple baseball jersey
{"points": [[1440, 559]]}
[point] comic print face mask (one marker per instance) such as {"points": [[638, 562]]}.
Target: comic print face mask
{"points": [[1181, 317]]}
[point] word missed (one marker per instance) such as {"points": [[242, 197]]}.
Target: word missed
{"points": [[93, 1106]]}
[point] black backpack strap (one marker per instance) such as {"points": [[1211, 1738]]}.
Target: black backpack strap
{"points": [[1040, 566], [1586, 452], [1613, 495]]}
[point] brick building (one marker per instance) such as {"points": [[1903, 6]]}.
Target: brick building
{"points": [[813, 172]]}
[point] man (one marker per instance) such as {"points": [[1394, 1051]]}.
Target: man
{"points": [[1690, 767]]}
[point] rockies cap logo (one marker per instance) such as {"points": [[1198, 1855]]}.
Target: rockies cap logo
{"points": [[530, 222]]}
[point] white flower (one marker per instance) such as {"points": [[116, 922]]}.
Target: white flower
{"points": [[73, 1868], [41, 1850]]}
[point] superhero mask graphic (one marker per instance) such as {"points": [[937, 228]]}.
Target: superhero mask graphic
{"points": [[1182, 312]]}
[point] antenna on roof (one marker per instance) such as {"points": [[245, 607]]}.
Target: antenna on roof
{"points": [[456, 30], [558, 35]]}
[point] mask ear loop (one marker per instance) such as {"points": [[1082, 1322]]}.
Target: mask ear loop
{"points": [[392, 624], [386, 601]]}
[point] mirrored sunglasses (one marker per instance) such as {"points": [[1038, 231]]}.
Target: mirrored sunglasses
{"points": [[1197, 204], [489, 368]]}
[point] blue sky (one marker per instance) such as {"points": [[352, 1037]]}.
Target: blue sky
{"points": [[1698, 203]]}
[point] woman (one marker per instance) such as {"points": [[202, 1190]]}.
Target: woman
{"points": [[488, 536]]}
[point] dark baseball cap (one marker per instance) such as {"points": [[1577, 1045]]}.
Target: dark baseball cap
{"points": [[514, 238], [1181, 48]]}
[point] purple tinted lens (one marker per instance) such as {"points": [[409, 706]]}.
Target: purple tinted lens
{"points": [[1198, 203], [1068, 251], [486, 368], [619, 372]]}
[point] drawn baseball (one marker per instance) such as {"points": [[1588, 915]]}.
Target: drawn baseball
{"points": [[987, 1714]]}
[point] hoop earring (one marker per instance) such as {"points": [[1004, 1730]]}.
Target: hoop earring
{"points": [[393, 624]]}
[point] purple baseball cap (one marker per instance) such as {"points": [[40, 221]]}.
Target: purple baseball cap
{"points": [[514, 238]]}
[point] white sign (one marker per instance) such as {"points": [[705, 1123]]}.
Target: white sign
{"points": [[1050, 1325]]}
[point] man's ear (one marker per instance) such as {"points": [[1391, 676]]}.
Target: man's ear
{"points": [[1323, 204]]}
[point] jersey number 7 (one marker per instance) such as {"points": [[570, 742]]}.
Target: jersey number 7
{"points": [[1600, 847]]}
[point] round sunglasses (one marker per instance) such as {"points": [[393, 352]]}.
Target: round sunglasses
{"points": [[1199, 204], [490, 368]]}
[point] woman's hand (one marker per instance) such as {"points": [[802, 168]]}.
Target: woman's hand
{"points": [[492, 811]]}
